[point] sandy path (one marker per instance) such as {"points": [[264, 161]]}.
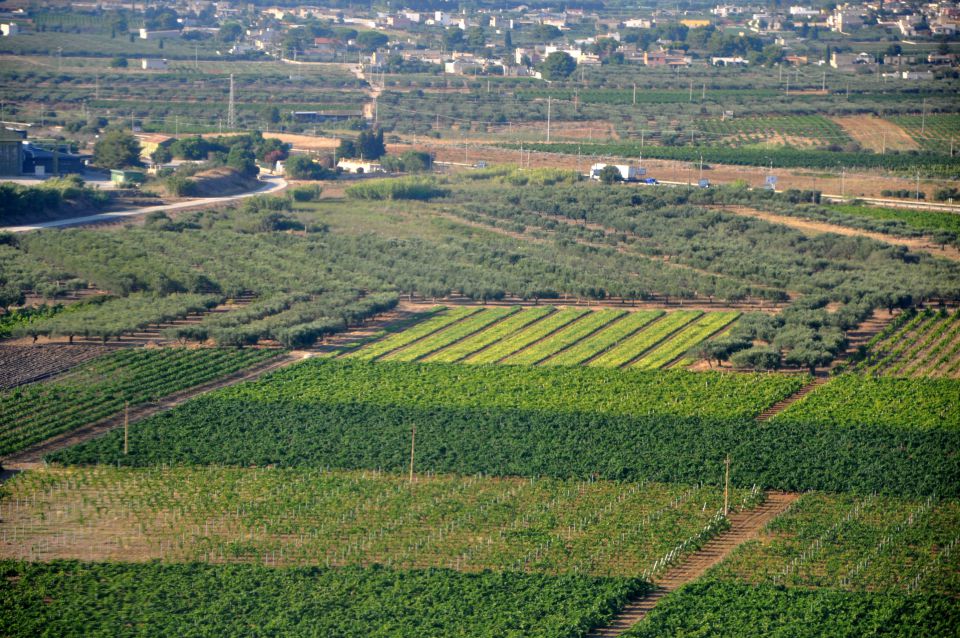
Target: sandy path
{"points": [[745, 525], [918, 244]]}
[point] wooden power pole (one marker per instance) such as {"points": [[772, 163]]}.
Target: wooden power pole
{"points": [[726, 487]]}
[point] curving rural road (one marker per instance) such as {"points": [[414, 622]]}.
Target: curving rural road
{"points": [[271, 185]]}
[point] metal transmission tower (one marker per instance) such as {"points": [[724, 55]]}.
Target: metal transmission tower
{"points": [[231, 109]]}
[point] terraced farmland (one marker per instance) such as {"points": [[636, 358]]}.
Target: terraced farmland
{"points": [[607, 338], [922, 344]]}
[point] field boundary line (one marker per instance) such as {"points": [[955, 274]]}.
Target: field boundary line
{"points": [[786, 402], [33, 455], [744, 526]]}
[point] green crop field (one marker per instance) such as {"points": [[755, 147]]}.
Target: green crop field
{"points": [[853, 399], [101, 387], [304, 517], [923, 344], [933, 132], [114, 599], [449, 335], [871, 564], [604, 339], [545, 336], [564, 422]]}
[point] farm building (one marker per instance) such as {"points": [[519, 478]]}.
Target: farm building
{"points": [[8, 29], [125, 177], [41, 161], [150, 142], [11, 152], [359, 167], [153, 64], [146, 34]]}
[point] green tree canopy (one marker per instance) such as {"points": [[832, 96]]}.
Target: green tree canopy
{"points": [[558, 66], [116, 149]]}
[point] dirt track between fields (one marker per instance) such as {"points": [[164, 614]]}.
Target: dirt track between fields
{"points": [[918, 244], [744, 525], [851, 184]]}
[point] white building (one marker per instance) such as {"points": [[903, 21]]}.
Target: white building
{"points": [[359, 167], [153, 64], [158, 35], [9, 29], [804, 12]]}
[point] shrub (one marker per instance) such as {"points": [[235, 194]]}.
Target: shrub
{"points": [[306, 193], [402, 188]]}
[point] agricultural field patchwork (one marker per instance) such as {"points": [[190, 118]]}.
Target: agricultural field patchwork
{"points": [[873, 563], [563, 422], [550, 337], [101, 387], [915, 344]]}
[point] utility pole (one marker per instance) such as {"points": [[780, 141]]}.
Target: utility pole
{"points": [[726, 487], [413, 444], [641, 137], [196, 57], [883, 150], [703, 92], [126, 428], [96, 88], [923, 117], [231, 108], [549, 104], [700, 178], [634, 93], [691, 92], [918, 186]]}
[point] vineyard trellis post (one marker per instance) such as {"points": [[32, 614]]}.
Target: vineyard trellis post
{"points": [[126, 427], [726, 487]]}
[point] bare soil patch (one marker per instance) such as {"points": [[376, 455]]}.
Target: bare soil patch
{"points": [[26, 364], [876, 134]]}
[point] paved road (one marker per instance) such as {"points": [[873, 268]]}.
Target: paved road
{"points": [[271, 184]]}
